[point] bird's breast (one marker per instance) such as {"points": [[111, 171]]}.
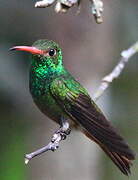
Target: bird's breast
{"points": [[40, 91]]}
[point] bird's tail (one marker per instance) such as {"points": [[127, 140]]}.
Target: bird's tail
{"points": [[122, 162], [94, 124]]}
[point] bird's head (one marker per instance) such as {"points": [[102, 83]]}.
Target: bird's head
{"points": [[45, 53]]}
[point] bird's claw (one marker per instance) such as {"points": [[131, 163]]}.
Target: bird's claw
{"points": [[62, 133], [55, 147], [63, 136], [59, 135], [68, 131]]}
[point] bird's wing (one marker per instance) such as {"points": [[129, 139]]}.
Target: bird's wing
{"points": [[75, 101]]}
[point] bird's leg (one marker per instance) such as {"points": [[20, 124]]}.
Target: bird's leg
{"points": [[64, 129], [58, 136]]}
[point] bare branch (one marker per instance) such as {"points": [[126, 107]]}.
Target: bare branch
{"points": [[53, 145], [125, 56], [58, 136], [64, 5], [44, 3]]}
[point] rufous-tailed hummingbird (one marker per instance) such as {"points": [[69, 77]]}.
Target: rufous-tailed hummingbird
{"points": [[63, 99]]}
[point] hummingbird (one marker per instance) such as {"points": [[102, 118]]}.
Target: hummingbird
{"points": [[63, 99]]}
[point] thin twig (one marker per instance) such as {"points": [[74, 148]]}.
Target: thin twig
{"points": [[53, 145], [58, 136], [125, 56]]}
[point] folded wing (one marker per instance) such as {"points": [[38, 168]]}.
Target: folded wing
{"points": [[79, 106]]}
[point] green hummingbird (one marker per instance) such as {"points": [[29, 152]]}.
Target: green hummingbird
{"points": [[63, 99]]}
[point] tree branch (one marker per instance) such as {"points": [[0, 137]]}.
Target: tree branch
{"points": [[125, 56], [58, 136], [64, 5], [53, 145]]}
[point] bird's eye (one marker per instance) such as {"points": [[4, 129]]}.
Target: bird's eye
{"points": [[52, 52]]}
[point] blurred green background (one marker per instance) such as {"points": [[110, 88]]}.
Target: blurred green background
{"points": [[90, 52]]}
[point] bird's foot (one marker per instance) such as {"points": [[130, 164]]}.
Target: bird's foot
{"points": [[64, 130], [62, 133]]}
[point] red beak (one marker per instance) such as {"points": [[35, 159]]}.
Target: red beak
{"points": [[32, 50]]}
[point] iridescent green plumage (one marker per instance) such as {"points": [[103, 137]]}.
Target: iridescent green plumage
{"points": [[44, 73], [60, 96]]}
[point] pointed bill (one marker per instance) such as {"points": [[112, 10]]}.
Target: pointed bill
{"points": [[32, 50]]}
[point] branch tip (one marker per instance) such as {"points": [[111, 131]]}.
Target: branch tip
{"points": [[58, 136]]}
